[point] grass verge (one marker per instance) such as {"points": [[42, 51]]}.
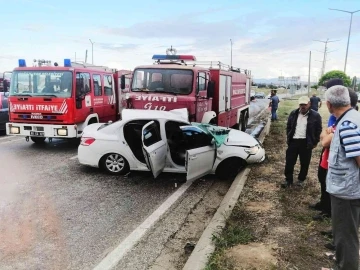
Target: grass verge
{"points": [[279, 219]]}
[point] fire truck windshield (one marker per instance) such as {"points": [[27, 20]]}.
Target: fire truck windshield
{"points": [[172, 81], [41, 83]]}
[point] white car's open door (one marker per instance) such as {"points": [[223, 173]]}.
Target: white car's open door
{"points": [[154, 148], [200, 161]]}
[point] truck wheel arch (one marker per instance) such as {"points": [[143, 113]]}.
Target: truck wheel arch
{"points": [[90, 119], [243, 117], [207, 117]]}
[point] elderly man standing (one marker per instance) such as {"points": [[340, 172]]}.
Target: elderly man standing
{"points": [[303, 134], [343, 177]]}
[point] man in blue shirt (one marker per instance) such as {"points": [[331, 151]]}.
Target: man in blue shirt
{"points": [[274, 104], [343, 178], [314, 101]]}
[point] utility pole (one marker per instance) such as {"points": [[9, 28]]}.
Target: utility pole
{"points": [[231, 43], [75, 57], [309, 75], [325, 53], [347, 47], [92, 51]]}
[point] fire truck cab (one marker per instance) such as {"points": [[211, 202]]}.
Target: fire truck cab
{"points": [[59, 102], [211, 91]]}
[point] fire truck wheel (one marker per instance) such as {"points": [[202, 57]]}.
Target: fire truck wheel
{"points": [[38, 139], [229, 167], [114, 164]]}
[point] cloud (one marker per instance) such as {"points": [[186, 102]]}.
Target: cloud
{"points": [[8, 57], [34, 27], [293, 33], [188, 29], [117, 47]]}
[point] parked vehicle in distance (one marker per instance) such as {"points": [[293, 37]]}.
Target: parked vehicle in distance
{"points": [[4, 111], [4, 93], [165, 141], [260, 95]]}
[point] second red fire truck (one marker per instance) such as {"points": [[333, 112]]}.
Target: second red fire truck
{"points": [[211, 92]]}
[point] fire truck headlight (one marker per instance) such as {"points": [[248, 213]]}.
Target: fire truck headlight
{"points": [[15, 130], [62, 132], [127, 96]]}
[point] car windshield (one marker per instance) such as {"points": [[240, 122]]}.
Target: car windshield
{"points": [[172, 81], [218, 133], [41, 83]]}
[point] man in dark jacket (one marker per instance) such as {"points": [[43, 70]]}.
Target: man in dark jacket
{"points": [[303, 134]]}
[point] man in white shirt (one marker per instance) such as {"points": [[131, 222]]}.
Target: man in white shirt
{"points": [[303, 134]]}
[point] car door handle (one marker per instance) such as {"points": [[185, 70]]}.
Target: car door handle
{"points": [[193, 157]]}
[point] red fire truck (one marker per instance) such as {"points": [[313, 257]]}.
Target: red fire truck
{"points": [[211, 91], [59, 102]]}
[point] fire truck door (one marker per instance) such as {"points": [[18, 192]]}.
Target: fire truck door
{"points": [[84, 100], [98, 98], [109, 98], [222, 93]]}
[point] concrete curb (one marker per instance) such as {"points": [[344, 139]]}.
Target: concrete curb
{"points": [[205, 246]]}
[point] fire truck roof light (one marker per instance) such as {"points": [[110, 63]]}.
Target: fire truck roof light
{"points": [[67, 63], [22, 63], [173, 57]]}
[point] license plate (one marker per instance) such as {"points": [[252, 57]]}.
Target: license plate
{"points": [[34, 133]]}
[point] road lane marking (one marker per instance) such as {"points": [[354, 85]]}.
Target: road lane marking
{"points": [[11, 141], [74, 157], [114, 257]]}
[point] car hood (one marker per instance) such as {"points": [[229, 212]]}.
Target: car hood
{"points": [[239, 138]]}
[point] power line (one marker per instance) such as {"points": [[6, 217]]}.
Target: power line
{"points": [[325, 53]]}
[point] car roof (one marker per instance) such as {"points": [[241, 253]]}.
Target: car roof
{"points": [[136, 114]]}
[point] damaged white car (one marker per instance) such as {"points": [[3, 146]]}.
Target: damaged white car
{"points": [[164, 141]]}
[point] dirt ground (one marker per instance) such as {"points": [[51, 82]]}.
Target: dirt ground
{"points": [[272, 228]]}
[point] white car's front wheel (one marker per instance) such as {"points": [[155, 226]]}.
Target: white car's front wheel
{"points": [[230, 167], [114, 164]]}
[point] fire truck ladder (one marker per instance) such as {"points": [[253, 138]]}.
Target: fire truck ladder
{"points": [[87, 65], [208, 64]]}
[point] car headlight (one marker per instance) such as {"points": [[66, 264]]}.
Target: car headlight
{"points": [[252, 150]]}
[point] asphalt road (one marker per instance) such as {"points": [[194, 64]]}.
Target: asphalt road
{"points": [[57, 214]]}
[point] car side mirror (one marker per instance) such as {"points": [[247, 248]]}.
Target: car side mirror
{"points": [[211, 89], [212, 142], [122, 82]]}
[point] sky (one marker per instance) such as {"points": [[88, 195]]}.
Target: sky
{"points": [[269, 37]]}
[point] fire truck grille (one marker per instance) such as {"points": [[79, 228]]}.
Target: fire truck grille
{"points": [[38, 118]]}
